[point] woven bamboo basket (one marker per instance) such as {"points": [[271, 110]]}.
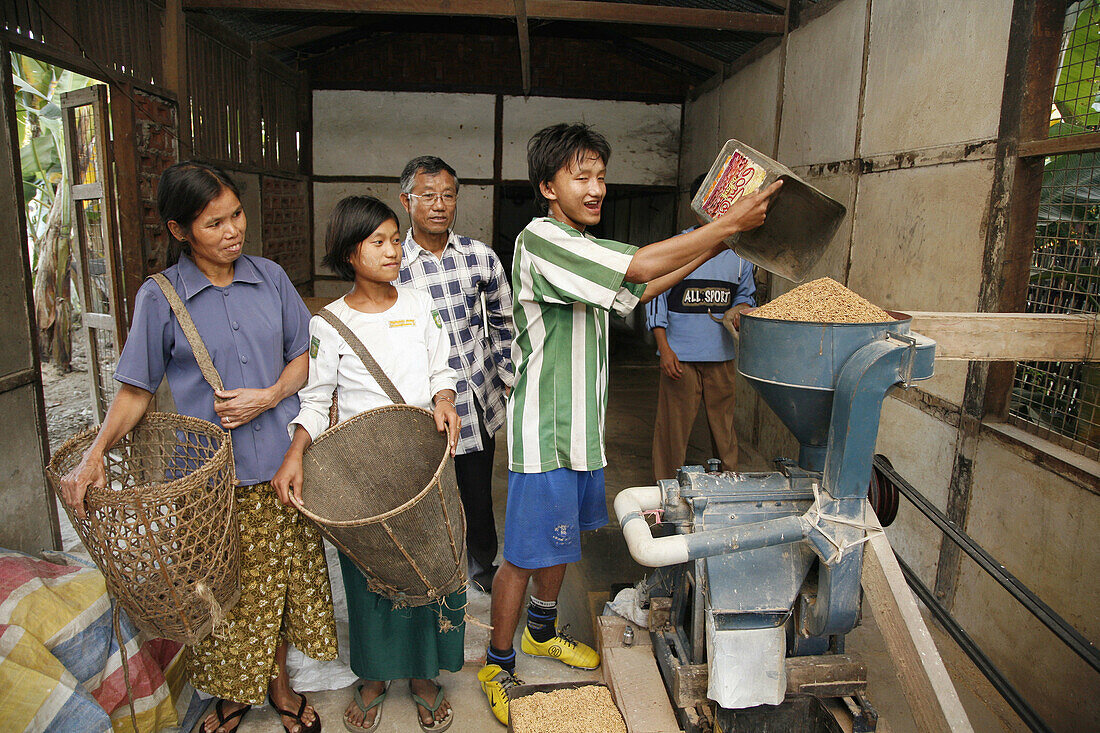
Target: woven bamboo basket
{"points": [[381, 487], [164, 532]]}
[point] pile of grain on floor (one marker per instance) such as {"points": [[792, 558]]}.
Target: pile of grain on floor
{"points": [[579, 710], [823, 301]]}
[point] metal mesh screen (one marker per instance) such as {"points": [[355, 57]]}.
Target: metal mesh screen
{"points": [[1060, 401], [108, 360], [1077, 88]]}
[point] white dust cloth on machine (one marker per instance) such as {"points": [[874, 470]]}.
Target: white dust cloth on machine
{"points": [[626, 604], [409, 342], [747, 666]]}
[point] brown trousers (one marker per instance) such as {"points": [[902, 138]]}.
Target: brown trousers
{"points": [[677, 404]]}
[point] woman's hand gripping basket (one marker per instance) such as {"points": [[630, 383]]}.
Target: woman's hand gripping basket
{"points": [[164, 531], [382, 488]]}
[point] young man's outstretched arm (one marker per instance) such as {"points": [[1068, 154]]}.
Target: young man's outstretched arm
{"points": [[663, 264]]}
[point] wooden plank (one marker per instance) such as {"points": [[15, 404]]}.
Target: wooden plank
{"points": [[87, 191], [1058, 145], [609, 633], [685, 53], [924, 680], [128, 201], [1010, 336], [660, 612], [524, 45], [825, 675], [302, 37], [689, 684], [574, 10], [636, 685]]}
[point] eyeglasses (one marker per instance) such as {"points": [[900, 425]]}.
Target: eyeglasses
{"points": [[431, 198]]}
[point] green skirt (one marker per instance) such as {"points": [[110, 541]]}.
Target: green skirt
{"points": [[390, 643]]}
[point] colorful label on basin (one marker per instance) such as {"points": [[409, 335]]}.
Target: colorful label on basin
{"points": [[740, 176]]}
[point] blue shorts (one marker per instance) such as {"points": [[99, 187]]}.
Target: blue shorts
{"points": [[546, 513]]}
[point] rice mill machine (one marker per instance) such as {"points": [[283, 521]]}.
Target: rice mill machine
{"points": [[762, 567]]}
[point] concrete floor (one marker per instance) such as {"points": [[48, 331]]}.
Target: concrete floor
{"points": [[606, 562]]}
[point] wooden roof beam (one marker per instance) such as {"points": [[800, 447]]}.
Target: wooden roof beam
{"points": [[568, 10], [524, 45], [685, 53], [301, 37]]}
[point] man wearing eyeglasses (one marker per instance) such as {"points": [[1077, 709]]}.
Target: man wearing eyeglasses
{"points": [[472, 295]]}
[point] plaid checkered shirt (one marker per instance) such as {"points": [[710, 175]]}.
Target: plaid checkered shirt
{"points": [[469, 287]]}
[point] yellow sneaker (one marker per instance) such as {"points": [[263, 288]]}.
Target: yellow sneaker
{"points": [[495, 683], [561, 647]]}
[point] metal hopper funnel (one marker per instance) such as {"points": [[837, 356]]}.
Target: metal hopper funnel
{"points": [[794, 367]]}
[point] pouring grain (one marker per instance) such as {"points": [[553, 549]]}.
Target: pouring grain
{"points": [[579, 710], [823, 301]]}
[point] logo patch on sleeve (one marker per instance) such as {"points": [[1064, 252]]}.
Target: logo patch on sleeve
{"points": [[437, 318], [314, 344]]}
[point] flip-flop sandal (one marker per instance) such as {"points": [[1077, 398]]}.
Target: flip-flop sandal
{"points": [[437, 726], [358, 697], [223, 718], [314, 728]]}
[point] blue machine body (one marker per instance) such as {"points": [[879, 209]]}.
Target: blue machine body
{"points": [[826, 382]]}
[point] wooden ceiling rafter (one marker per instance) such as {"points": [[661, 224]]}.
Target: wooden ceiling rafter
{"points": [[685, 53], [524, 45], [301, 37], [567, 10]]}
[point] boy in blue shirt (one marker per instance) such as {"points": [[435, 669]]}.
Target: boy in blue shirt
{"points": [[697, 356]]}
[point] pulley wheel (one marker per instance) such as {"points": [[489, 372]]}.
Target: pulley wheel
{"points": [[883, 494]]}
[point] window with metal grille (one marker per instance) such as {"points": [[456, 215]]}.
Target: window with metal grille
{"points": [[1061, 400]]}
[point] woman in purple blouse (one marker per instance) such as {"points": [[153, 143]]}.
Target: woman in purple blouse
{"points": [[256, 328]]}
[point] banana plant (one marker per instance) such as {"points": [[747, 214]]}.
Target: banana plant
{"points": [[38, 90]]}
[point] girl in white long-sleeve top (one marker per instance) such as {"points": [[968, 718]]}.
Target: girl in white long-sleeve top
{"points": [[407, 338]]}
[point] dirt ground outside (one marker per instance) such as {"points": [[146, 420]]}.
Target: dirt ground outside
{"points": [[68, 395]]}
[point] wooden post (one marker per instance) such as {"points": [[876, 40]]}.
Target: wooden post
{"points": [[128, 201], [175, 70], [928, 688]]}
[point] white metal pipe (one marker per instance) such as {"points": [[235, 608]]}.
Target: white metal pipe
{"points": [[657, 552], [653, 552]]}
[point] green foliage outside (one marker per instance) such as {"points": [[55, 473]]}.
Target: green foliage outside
{"points": [[1065, 272], [38, 90]]}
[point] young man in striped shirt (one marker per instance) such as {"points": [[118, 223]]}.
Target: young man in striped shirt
{"points": [[566, 282]]}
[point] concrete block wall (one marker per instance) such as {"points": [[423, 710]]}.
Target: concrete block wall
{"points": [[363, 139], [892, 108]]}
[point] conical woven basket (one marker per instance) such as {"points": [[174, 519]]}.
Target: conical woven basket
{"points": [[164, 532], [382, 488]]}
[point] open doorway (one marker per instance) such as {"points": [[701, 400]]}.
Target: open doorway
{"points": [[66, 193], [62, 133]]}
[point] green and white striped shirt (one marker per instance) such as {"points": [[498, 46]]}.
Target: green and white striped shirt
{"points": [[565, 283]]}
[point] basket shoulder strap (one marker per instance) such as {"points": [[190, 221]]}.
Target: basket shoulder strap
{"points": [[202, 356], [361, 351]]}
